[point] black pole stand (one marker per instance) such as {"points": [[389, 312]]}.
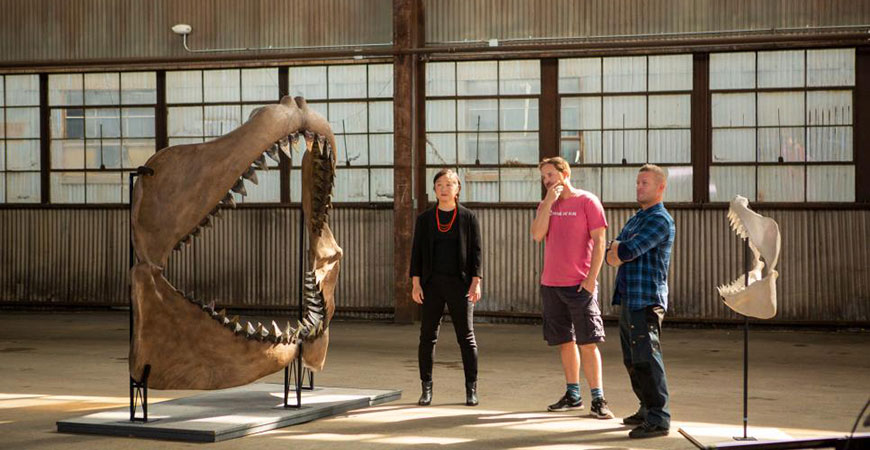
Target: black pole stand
{"points": [[746, 267], [295, 369], [138, 389]]}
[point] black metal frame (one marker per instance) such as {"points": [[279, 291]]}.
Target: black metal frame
{"points": [[138, 389], [296, 368]]}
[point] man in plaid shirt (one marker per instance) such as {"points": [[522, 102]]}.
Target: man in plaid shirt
{"points": [[642, 251]]}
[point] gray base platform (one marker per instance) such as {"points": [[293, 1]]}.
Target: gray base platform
{"points": [[227, 414]]}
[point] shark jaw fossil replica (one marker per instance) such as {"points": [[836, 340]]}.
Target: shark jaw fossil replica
{"points": [[190, 345], [758, 299]]}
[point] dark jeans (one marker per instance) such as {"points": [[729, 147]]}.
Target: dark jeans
{"points": [[437, 292], [639, 333]]}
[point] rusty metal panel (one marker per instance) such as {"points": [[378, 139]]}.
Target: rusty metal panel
{"points": [[458, 20], [80, 30]]}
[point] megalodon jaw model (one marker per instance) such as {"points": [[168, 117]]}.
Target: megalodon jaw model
{"points": [[758, 299], [189, 345]]}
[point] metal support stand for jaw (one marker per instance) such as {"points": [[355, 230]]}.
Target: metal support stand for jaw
{"points": [[138, 389], [295, 369]]}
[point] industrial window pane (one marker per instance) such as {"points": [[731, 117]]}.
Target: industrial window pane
{"points": [[22, 155], [587, 178], [670, 73], [788, 143], [829, 108], [347, 81], [734, 145], [380, 80], [184, 86], [247, 110], [619, 183], [137, 122], [440, 148], [625, 112], [518, 114], [135, 152], [349, 117], [67, 187], [440, 78], [627, 145], [440, 115], [320, 108], [670, 111], [21, 90], [260, 84], [477, 78], [22, 187], [220, 120], [781, 183], [65, 89], [733, 110], [474, 147], [2, 158], [381, 149], [479, 185], [579, 75], [22, 122], [221, 85], [520, 185], [382, 185], [138, 88], [296, 186], [104, 153], [780, 109], [353, 148], [679, 186], [726, 182], [519, 77], [581, 113], [102, 88], [185, 141], [380, 117], [267, 189], [308, 82], [518, 148], [781, 69], [3, 188], [829, 144], [581, 147], [831, 183], [67, 123], [670, 146], [477, 114], [831, 67], [102, 123], [351, 185], [625, 74], [184, 121], [104, 187], [732, 70], [68, 154]]}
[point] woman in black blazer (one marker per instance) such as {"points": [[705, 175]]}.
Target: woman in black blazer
{"points": [[445, 269]]}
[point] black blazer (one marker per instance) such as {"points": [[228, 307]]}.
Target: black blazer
{"points": [[424, 244]]}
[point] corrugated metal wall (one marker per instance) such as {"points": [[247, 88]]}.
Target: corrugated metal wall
{"points": [[457, 20], [74, 256], [81, 30]]}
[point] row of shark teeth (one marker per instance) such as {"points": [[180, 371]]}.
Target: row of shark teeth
{"points": [[312, 323], [737, 225], [323, 168], [250, 174], [740, 283]]}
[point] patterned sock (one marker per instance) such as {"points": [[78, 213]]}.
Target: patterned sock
{"points": [[597, 393], [573, 391]]}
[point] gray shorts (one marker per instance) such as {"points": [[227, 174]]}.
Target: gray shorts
{"points": [[570, 315]]}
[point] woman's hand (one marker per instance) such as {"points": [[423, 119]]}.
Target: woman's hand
{"points": [[474, 290], [416, 290]]}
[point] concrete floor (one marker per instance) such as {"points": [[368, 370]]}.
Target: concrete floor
{"points": [[802, 383]]}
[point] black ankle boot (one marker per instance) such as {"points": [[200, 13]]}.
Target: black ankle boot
{"points": [[426, 396], [470, 393]]}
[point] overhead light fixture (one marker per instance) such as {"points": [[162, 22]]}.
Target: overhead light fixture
{"points": [[182, 29]]}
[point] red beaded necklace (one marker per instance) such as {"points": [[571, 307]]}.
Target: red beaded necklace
{"points": [[445, 228]]}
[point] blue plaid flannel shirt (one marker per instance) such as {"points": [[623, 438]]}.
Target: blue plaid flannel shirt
{"points": [[645, 242]]}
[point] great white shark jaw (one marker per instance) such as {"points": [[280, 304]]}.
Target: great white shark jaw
{"points": [[189, 344], [758, 297]]}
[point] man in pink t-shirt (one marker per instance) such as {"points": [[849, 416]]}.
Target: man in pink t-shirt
{"points": [[571, 222]]}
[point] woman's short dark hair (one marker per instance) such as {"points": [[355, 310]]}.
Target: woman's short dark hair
{"points": [[448, 172]]}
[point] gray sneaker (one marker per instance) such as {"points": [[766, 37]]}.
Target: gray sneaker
{"points": [[600, 410]]}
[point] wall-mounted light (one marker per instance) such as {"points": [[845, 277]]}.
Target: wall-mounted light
{"points": [[182, 29]]}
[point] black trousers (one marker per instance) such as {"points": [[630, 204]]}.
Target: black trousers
{"points": [[640, 337], [437, 292]]}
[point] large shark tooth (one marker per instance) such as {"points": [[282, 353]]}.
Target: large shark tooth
{"points": [[239, 187], [251, 175], [272, 152], [260, 162], [228, 200], [250, 330]]}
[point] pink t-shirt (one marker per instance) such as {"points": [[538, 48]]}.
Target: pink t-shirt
{"points": [[568, 246]]}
